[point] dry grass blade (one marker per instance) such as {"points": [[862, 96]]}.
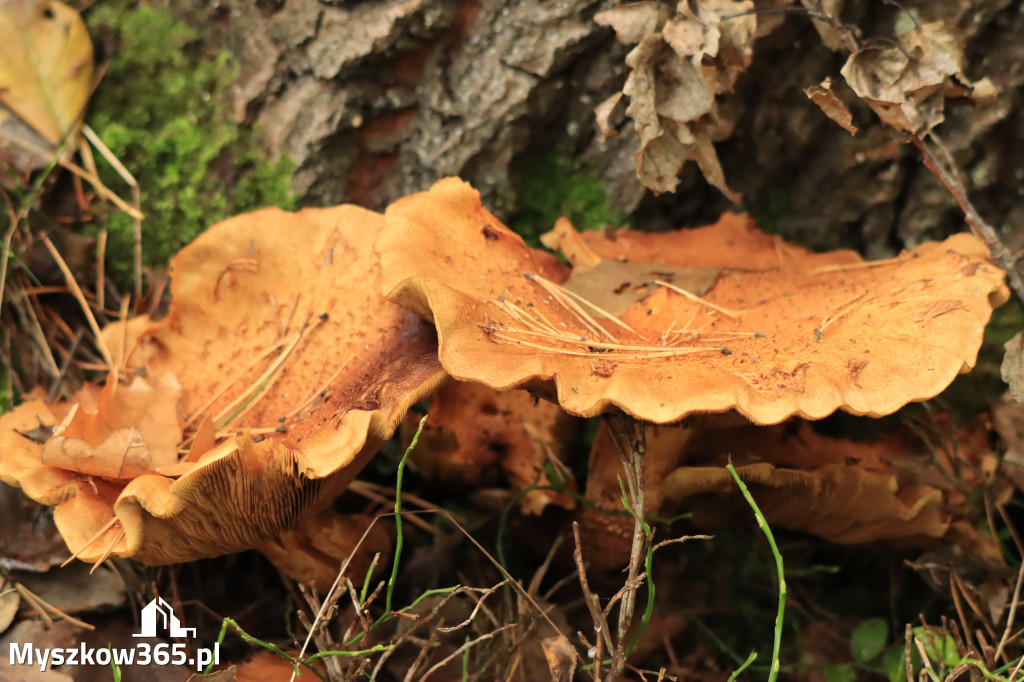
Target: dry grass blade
{"points": [[76, 291], [486, 592], [107, 526], [473, 642], [44, 608], [126, 175], [329, 598]]}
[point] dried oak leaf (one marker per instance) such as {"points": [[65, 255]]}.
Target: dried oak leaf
{"points": [[906, 84], [277, 332], [472, 430], [783, 331], [682, 62], [833, 107], [46, 66]]}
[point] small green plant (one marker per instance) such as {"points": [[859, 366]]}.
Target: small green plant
{"points": [[762, 523], [161, 109], [553, 185]]}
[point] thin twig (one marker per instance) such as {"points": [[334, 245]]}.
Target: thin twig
{"points": [[981, 229]]}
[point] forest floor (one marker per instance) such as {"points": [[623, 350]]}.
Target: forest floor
{"points": [[231, 445]]}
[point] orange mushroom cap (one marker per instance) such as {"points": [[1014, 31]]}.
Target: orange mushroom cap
{"points": [[782, 332], [292, 370]]}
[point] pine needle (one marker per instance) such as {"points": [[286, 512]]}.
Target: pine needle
{"points": [[695, 298]]}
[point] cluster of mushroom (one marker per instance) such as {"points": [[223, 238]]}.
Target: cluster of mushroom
{"points": [[295, 344]]}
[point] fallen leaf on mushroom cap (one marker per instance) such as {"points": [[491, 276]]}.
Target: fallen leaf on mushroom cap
{"points": [[45, 78], [683, 61], [790, 333], [277, 332], [472, 430]]}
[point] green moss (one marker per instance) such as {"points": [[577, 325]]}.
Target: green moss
{"points": [[161, 108], [552, 185]]}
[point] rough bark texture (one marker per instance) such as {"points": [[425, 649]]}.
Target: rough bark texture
{"points": [[377, 99]]}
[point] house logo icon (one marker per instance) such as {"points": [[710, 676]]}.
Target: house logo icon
{"points": [[159, 609]]}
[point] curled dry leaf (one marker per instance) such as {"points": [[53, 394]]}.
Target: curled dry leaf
{"points": [[472, 429], [831, 105], [782, 332], [1012, 369], [278, 336], [45, 78], [906, 84], [683, 61]]}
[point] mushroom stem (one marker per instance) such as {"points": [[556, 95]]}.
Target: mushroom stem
{"points": [[630, 438]]}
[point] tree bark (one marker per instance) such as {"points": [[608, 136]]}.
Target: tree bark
{"points": [[378, 99]]}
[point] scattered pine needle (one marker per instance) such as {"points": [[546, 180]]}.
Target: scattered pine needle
{"points": [[265, 381], [695, 298], [568, 292], [570, 305], [320, 391], [107, 526]]}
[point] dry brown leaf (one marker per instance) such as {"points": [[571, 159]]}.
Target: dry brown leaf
{"points": [[472, 431], [783, 332], [28, 539], [276, 329], [1008, 421], [268, 667], [632, 21], [906, 84], [830, 105], [561, 658], [615, 285], [564, 238], [682, 62]]}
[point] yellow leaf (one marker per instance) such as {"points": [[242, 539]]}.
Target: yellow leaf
{"points": [[45, 73]]}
